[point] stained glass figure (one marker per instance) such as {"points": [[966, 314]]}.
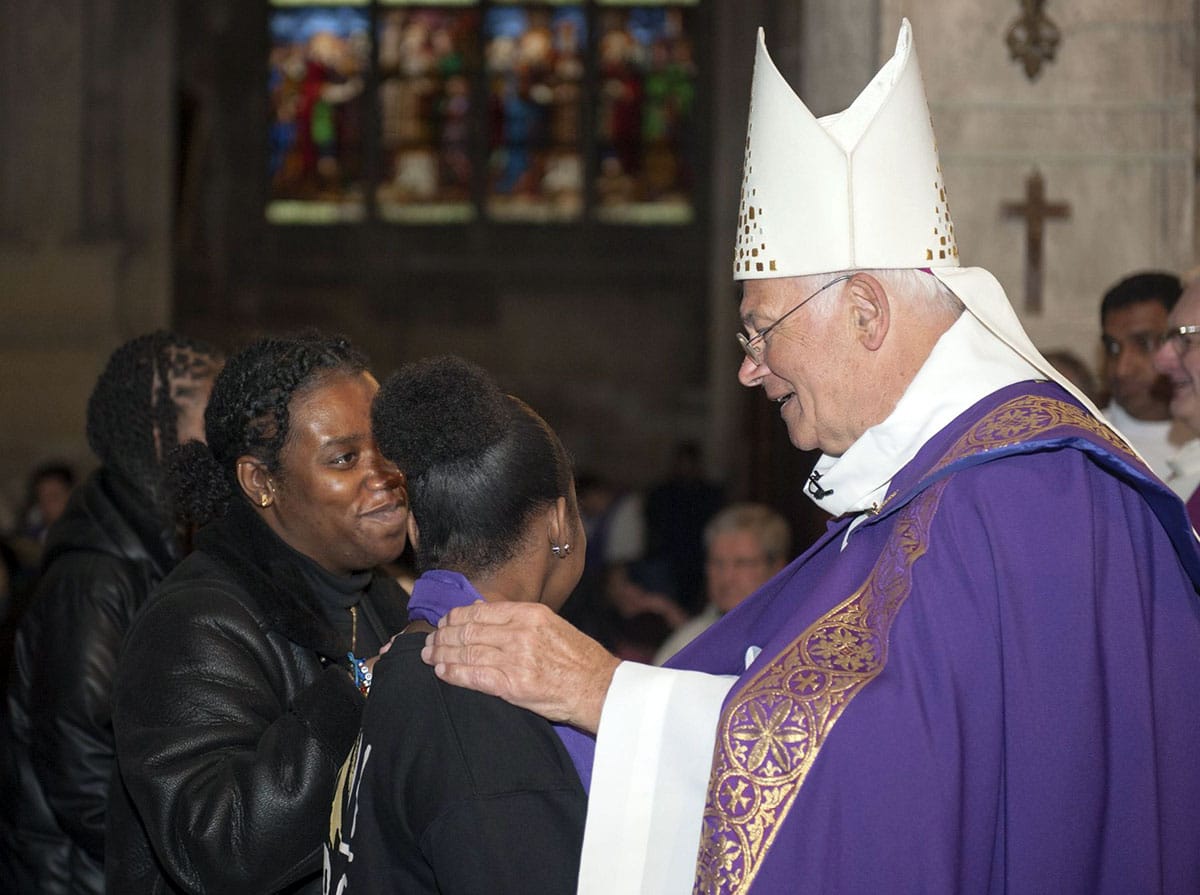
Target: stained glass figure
{"points": [[646, 102], [427, 61], [534, 67], [317, 71]]}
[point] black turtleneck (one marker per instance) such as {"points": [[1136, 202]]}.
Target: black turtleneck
{"points": [[339, 595], [302, 598]]}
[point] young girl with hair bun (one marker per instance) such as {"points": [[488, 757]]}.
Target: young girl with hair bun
{"points": [[448, 790]]}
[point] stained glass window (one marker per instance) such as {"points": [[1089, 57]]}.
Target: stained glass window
{"points": [[644, 127], [427, 63], [535, 75], [318, 64], [445, 111]]}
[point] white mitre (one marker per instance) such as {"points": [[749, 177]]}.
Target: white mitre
{"points": [[858, 190]]}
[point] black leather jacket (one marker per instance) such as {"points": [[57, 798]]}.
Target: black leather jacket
{"points": [[102, 559], [233, 712]]}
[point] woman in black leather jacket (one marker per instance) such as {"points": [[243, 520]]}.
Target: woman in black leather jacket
{"points": [[114, 543], [235, 702]]}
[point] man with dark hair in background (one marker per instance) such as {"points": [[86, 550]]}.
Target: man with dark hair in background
{"points": [[116, 540], [1133, 318]]}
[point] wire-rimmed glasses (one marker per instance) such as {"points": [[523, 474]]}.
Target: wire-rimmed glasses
{"points": [[756, 345], [1180, 337]]}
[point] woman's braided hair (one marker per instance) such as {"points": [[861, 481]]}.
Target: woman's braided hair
{"points": [[131, 401], [248, 415]]}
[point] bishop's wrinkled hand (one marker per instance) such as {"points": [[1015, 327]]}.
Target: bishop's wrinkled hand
{"points": [[528, 656]]}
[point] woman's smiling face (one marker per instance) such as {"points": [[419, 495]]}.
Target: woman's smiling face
{"points": [[337, 499]]}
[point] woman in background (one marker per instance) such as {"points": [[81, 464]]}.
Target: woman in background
{"points": [[109, 549], [447, 790], [235, 701]]}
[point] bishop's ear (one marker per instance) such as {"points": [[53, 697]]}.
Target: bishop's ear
{"points": [[871, 309]]}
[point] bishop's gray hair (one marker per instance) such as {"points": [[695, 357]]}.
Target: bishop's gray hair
{"points": [[924, 289]]}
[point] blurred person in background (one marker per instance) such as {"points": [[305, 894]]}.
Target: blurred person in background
{"points": [[113, 542], [1178, 360], [47, 490], [50, 486], [13, 599], [616, 536], [1133, 317], [676, 511], [641, 608], [745, 545]]}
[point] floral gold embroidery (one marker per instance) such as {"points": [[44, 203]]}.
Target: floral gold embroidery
{"points": [[1024, 418], [772, 731]]}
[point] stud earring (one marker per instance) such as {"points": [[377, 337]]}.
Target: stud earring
{"points": [[561, 552], [263, 499]]}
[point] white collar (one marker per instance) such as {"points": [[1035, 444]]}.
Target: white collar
{"points": [[1126, 422], [1186, 461], [967, 364]]}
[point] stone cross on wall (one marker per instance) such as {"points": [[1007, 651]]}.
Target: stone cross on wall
{"points": [[1036, 211]]}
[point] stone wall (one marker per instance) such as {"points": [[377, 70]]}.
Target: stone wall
{"points": [[85, 174], [1109, 124]]}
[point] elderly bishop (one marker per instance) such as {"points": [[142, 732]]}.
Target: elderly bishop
{"points": [[985, 676]]}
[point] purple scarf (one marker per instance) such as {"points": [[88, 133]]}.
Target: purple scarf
{"points": [[436, 593]]}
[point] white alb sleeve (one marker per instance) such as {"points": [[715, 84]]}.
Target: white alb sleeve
{"points": [[649, 781]]}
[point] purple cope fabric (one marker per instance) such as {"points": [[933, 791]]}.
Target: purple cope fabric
{"points": [[994, 686], [438, 591]]}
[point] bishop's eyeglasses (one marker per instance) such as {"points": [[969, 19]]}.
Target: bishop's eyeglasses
{"points": [[754, 347], [1181, 338]]}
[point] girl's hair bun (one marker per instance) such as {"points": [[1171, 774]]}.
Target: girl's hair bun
{"points": [[439, 411]]}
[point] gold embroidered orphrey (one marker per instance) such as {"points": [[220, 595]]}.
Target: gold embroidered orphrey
{"points": [[772, 731]]}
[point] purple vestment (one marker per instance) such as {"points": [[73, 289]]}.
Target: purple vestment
{"points": [[438, 591], [994, 687]]}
